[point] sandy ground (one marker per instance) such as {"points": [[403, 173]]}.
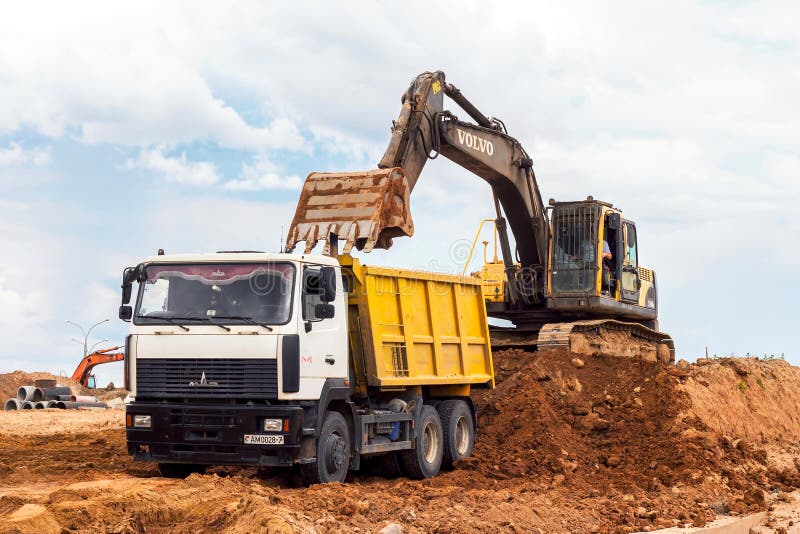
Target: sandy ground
{"points": [[566, 444]]}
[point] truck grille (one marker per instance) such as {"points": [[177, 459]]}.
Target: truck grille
{"points": [[163, 378]]}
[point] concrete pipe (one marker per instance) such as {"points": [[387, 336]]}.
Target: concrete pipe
{"points": [[38, 394], [45, 383], [13, 404], [25, 392], [84, 398], [41, 405], [50, 404], [64, 397], [27, 405], [60, 405], [54, 393], [76, 405]]}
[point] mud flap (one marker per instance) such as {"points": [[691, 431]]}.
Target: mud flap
{"points": [[362, 209]]}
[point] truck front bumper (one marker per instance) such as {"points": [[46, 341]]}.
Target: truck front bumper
{"points": [[212, 434]]}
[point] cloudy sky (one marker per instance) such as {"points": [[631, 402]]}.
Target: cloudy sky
{"points": [[191, 127]]}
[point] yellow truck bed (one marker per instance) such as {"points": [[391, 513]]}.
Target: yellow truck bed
{"points": [[413, 328]]}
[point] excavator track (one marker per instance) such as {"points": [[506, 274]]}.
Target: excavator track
{"points": [[606, 337]]}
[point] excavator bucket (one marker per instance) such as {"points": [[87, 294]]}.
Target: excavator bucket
{"points": [[365, 209]]}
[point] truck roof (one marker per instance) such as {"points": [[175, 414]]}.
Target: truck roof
{"points": [[244, 257]]}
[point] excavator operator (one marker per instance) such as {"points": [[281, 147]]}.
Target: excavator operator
{"points": [[608, 268]]}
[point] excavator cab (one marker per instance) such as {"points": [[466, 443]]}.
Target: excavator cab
{"points": [[594, 264]]}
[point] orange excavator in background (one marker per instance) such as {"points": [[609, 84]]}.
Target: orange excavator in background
{"points": [[83, 372]]}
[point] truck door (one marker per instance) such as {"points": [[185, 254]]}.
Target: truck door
{"points": [[323, 339], [630, 283]]}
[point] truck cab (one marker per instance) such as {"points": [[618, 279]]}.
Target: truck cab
{"points": [[215, 345]]}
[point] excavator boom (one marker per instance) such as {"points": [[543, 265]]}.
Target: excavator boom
{"points": [[90, 361]]}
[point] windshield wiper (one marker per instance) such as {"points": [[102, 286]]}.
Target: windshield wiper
{"points": [[248, 320], [170, 320], [208, 320]]}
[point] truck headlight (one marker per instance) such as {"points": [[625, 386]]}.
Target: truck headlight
{"points": [[142, 421], [273, 425]]}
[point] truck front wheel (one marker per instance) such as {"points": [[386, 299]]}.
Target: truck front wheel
{"points": [[425, 460], [333, 452], [459, 430]]}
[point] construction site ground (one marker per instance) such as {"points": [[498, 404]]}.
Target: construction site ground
{"points": [[566, 443]]}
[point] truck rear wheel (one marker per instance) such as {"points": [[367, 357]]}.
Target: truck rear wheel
{"points": [[333, 452], [180, 470], [425, 460], [458, 428]]}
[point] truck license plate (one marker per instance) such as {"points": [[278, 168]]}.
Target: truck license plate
{"points": [[262, 439]]}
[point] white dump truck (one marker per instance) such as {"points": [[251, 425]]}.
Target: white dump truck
{"points": [[276, 359]]}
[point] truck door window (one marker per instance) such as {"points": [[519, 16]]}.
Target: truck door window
{"points": [[154, 296], [631, 254], [312, 293]]}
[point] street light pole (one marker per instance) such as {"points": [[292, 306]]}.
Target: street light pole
{"points": [[86, 333]]}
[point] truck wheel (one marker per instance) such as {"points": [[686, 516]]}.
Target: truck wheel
{"points": [[333, 452], [180, 470], [458, 427], [425, 460]]}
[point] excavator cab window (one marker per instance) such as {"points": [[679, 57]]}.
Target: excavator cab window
{"points": [[631, 255], [611, 266], [575, 246]]}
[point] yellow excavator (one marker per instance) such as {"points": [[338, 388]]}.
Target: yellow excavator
{"points": [[573, 278]]}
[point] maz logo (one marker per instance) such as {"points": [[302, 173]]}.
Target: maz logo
{"points": [[474, 142]]}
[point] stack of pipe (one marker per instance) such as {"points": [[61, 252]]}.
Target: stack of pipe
{"points": [[47, 394]]}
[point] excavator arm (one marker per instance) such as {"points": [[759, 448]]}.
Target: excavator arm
{"points": [[368, 209], [90, 361]]}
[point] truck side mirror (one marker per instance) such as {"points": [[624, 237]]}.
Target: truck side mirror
{"points": [[128, 276], [328, 284], [125, 312], [324, 311]]}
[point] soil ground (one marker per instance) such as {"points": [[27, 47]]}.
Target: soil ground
{"points": [[566, 443]]}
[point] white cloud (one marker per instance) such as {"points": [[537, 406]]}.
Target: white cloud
{"points": [[136, 88], [263, 174], [176, 169], [15, 154]]}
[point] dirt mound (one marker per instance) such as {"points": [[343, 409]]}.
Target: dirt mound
{"points": [[749, 398], [566, 443], [655, 446]]}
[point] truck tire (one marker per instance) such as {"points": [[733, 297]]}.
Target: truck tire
{"points": [[425, 460], [180, 470], [458, 428], [333, 452]]}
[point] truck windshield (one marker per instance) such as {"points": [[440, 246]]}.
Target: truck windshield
{"points": [[232, 293]]}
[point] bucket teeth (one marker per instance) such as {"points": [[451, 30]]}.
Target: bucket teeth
{"points": [[362, 209]]}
